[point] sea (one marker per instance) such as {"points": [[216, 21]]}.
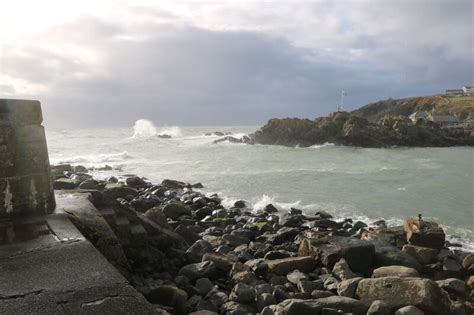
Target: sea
{"points": [[348, 182]]}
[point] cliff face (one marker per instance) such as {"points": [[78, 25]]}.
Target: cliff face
{"points": [[461, 107], [347, 129]]}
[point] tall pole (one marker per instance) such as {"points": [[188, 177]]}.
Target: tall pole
{"points": [[341, 107]]}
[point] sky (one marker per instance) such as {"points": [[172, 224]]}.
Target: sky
{"points": [[109, 63]]}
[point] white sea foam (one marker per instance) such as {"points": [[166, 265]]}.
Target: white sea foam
{"points": [[174, 132], [317, 146], [96, 158], [143, 129]]}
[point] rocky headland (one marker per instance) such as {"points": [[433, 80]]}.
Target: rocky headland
{"points": [[187, 253], [344, 128]]}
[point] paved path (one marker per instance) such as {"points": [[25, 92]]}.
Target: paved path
{"points": [[60, 272]]}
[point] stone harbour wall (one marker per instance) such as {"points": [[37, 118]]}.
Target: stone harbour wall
{"points": [[25, 184]]}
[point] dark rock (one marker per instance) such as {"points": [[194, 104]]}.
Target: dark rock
{"points": [[348, 287], [173, 184], [199, 270], [456, 288], [65, 183], [114, 191], [319, 294], [242, 293], [204, 285], [388, 255], [135, 182], [168, 295], [156, 215], [197, 185], [358, 254], [221, 261], [424, 255], [306, 286], [89, 184], [176, 209], [424, 233], [234, 240], [285, 235], [379, 307], [270, 209], [234, 308], [277, 254], [188, 236], [287, 265], [240, 204], [265, 299], [196, 251], [409, 310], [342, 271]]}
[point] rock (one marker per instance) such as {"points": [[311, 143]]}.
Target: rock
{"points": [[270, 209], [164, 136], [311, 307], [199, 270], [455, 287], [234, 240], [409, 310], [424, 255], [342, 271], [114, 191], [234, 308], [307, 286], [345, 304], [322, 215], [285, 235], [398, 292], [168, 295], [203, 312], [468, 263], [424, 233], [173, 184], [221, 261], [348, 287], [195, 253], [451, 267], [204, 285], [242, 293], [389, 255], [217, 298], [319, 294], [287, 265], [265, 299], [240, 204], [156, 215], [379, 307], [246, 277], [296, 276], [135, 182], [188, 236], [395, 271], [89, 184], [64, 183], [358, 254], [176, 209], [277, 254]]}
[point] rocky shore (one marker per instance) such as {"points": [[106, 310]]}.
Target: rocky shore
{"points": [[188, 254], [343, 128]]}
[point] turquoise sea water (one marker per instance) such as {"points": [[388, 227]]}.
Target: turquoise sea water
{"points": [[351, 182]]}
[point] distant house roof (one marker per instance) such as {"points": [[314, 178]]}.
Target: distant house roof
{"points": [[418, 114], [444, 118]]}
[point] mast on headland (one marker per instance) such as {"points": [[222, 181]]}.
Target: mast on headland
{"points": [[340, 108]]}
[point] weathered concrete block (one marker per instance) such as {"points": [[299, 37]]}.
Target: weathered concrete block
{"points": [[25, 184], [21, 112]]}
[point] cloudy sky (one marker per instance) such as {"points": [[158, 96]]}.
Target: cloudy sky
{"points": [[108, 63]]}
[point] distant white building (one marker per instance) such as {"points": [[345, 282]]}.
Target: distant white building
{"points": [[468, 90], [417, 116], [455, 92], [444, 120]]}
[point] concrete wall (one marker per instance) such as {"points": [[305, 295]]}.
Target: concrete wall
{"points": [[25, 185]]}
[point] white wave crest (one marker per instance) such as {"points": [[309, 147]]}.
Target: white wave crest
{"points": [[317, 146], [96, 158], [144, 128], [174, 132]]}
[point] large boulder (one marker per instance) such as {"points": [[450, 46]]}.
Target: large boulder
{"points": [[199, 270], [287, 265], [197, 250], [399, 292], [389, 255], [395, 271], [424, 233], [176, 209], [357, 253], [316, 306], [424, 255], [221, 261]]}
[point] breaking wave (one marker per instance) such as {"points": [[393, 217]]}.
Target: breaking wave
{"points": [[144, 128], [97, 158]]}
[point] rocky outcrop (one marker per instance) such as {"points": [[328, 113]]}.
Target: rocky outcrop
{"points": [[345, 129]]}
